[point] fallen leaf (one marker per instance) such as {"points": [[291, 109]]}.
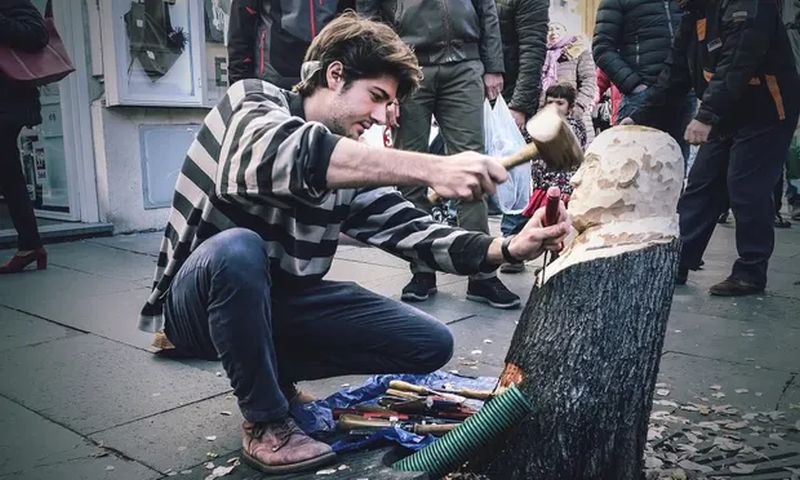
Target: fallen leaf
{"points": [[653, 463], [736, 425], [694, 467], [743, 468], [220, 471], [741, 390]]}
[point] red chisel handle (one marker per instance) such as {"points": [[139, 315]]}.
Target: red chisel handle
{"points": [[551, 207]]}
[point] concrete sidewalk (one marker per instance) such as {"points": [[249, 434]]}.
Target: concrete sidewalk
{"points": [[82, 397]]}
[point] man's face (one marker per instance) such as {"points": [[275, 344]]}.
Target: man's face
{"points": [[561, 104], [357, 106]]}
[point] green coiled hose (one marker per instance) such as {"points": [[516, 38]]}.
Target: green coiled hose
{"points": [[453, 449]]}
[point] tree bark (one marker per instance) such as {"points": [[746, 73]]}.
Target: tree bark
{"points": [[587, 347]]}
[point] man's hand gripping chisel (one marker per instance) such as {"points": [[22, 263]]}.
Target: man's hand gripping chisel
{"points": [[550, 218]]}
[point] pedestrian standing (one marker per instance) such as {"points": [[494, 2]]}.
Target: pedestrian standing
{"points": [[459, 48], [523, 28], [737, 57], [267, 39], [632, 39], [569, 60], [21, 27]]}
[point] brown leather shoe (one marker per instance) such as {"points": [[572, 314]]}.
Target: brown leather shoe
{"points": [[281, 447]]}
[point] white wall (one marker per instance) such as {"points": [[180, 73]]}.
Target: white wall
{"points": [[118, 162]]}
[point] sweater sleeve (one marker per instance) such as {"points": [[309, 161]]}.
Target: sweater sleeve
{"points": [[381, 217]]}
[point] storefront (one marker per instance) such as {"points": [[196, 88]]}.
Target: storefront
{"points": [[115, 132]]}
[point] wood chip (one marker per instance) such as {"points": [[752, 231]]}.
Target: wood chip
{"points": [[736, 425], [718, 395], [211, 438], [694, 467], [653, 463], [662, 392], [742, 468], [326, 471], [226, 413], [741, 390], [716, 387]]}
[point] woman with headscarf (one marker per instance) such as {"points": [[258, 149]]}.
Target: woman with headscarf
{"points": [[569, 60]]}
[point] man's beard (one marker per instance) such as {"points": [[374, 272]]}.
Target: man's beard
{"points": [[338, 127]]}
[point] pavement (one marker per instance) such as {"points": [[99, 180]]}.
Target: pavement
{"points": [[82, 397]]}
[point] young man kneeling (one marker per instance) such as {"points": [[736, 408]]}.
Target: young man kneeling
{"points": [[271, 180]]}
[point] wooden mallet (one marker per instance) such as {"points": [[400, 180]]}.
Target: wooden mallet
{"points": [[553, 142]]}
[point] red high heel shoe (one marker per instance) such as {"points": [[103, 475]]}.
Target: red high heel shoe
{"points": [[19, 262]]}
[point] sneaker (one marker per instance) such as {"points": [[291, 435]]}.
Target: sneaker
{"points": [[723, 218], [681, 276], [794, 212], [420, 288], [733, 287], [512, 268], [281, 447], [493, 292], [780, 222]]}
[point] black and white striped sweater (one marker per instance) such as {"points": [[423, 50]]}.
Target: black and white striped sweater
{"points": [[256, 163]]}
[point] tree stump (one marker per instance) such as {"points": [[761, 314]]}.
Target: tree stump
{"points": [[588, 345]]}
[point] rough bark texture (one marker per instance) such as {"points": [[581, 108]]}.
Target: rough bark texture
{"points": [[588, 344]]}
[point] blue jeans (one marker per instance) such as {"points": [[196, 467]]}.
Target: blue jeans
{"points": [[223, 304], [511, 224]]}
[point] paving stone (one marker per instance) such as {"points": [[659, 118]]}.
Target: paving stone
{"points": [[147, 243], [89, 383], [469, 336], [362, 273], [761, 309], [736, 340], [113, 315], [99, 259], [177, 439], [20, 329], [34, 286], [373, 256], [690, 377], [35, 448]]}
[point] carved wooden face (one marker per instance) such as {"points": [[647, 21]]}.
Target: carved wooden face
{"points": [[628, 173]]}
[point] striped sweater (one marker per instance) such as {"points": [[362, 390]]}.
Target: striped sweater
{"points": [[256, 163]]}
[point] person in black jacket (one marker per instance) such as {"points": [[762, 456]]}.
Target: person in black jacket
{"points": [[267, 39], [737, 57], [21, 27], [632, 39], [458, 45]]}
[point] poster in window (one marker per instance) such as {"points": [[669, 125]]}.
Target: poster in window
{"points": [[156, 54]]}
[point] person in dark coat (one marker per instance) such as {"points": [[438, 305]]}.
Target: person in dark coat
{"points": [[632, 39], [737, 57], [523, 30], [21, 27], [267, 39]]}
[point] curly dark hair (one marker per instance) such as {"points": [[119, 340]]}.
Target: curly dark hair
{"points": [[367, 49]]}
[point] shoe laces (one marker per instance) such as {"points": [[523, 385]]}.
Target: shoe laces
{"points": [[282, 431]]}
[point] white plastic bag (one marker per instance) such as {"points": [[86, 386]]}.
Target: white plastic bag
{"points": [[503, 138]]}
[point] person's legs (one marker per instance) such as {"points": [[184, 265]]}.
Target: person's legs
{"points": [[459, 111], [219, 305], [777, 197], [757, 158], [702, 202], [12, 184], [340, 328]]}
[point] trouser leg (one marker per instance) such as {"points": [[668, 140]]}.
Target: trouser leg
{"points": [[12, 185], [758, 155], [339, 328], [219, 306], [459, 111], [704, 199]]}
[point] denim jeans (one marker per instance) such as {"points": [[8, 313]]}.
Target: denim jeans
{"points": [[223, 304], [511, 224]]}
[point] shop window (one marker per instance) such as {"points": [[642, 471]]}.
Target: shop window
{"points": [[164, 52]]}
